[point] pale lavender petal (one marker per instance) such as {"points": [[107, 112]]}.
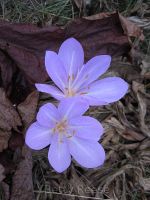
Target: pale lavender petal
{"points": [[107, 90], [87, 153], [92, 101], [86, 127], [58, 155], [92, 70], [48, 115], [72, 107], [52, 90], [37, 136], [55, 69], [72, 55]]}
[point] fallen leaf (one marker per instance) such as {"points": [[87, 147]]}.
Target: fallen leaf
{"points": [[101, 15], [145, 183], [130, 28], [9, 119], [1, 173], [140, 93], [6, 75], [22, 187], [132, 135], [4, 138], [79, 3], [22, 180], [125, 70], [145, 144], [16, 141], [7, 162], [126, 132], [5, 188], [27, 109]]}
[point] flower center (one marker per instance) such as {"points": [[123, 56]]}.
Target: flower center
{"points": [[69, 92], [61, 127]]}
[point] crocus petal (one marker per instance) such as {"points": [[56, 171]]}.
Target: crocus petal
{"points": [[53, 91], [92, 70], [87, 153], [55, 69], [48, 115], [107, 90], [37, 136], [58, 155], [72, 107], [86, 127], [72, 55]]}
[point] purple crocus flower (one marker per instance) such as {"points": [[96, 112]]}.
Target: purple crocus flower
{"points": [[69, 133], [74, 78]]}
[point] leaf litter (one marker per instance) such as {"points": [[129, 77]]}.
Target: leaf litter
{"points": [[126, 138]]}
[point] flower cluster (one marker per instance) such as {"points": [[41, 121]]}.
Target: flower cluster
{"points": [[64, 128]]}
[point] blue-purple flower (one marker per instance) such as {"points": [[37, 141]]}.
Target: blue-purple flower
{"points": [[73, 78], [68, 133]]}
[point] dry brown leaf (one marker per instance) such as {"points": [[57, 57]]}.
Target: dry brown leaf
{"points": [[16, 141], [132, 135], [9, 119], [145, 144], [22, 187], [77, 180], [5, 187], [115, 123], [145, 66], [140, 93], [79, 3], [1, 173], [28, 108], [130, 28], [101, 15], [4, 138], [124, 131], [22, 180], [145, 183], [125, 70]]}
